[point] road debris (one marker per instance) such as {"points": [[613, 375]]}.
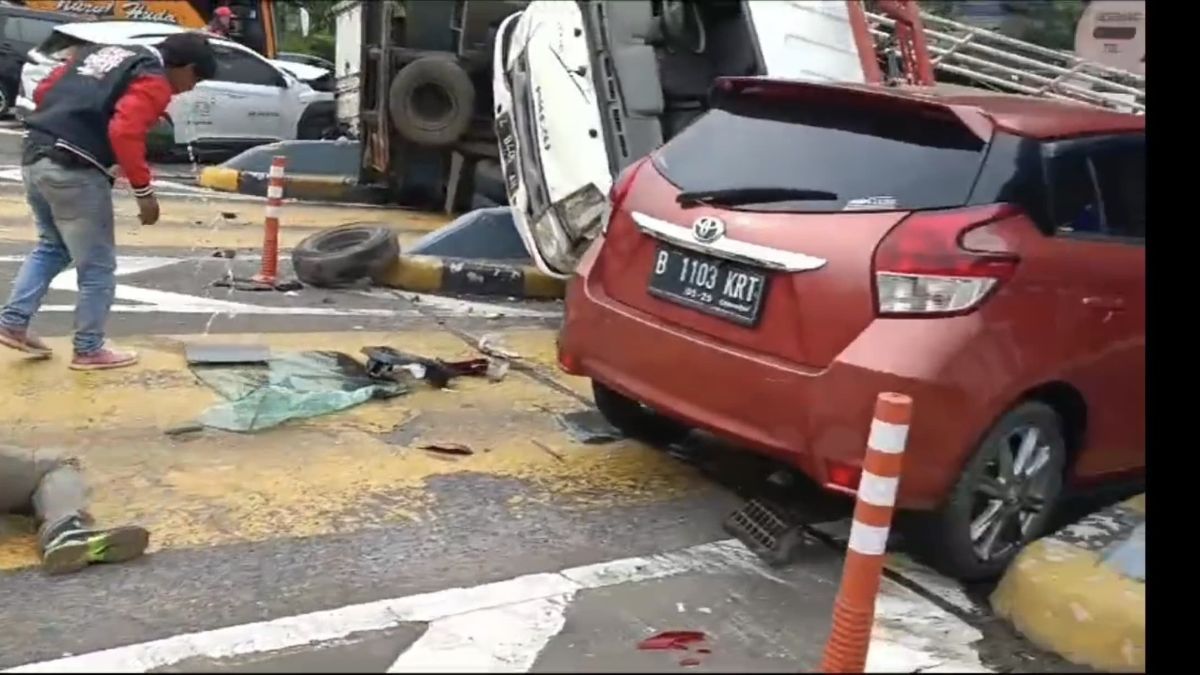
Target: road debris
{"points": [[385, 363], [589, 427], [289, 386], [549, 450], [226, 253], [493, 344], [457, 449], [203, 354], [768, 530], [244, 284]]}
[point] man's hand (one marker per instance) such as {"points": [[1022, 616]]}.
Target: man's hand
{"points": [[148, 209]]}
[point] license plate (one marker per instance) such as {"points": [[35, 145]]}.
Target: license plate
{"points": [[508, 153], [724, 289]]}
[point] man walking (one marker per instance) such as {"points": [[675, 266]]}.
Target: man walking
{"points": [[51, 489], [93, 111]]}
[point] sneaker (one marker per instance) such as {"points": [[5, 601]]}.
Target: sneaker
{"points": [[105, 358], [74, 550], [23, 341]]}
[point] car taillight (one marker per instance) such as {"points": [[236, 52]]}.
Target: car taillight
{"points": [[946, 262], [620, 189]]}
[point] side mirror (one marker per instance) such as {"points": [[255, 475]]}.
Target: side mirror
{"points": [[305, 21]]}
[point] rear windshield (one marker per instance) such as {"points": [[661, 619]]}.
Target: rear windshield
{"points": [[59, 42], [871, 158]]}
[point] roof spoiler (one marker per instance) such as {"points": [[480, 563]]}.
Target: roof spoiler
{"points": [[725, 89]]}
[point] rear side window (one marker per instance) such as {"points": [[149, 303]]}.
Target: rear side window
{"points": [[236, 66], [892, 159], [1099, 188], [59, 42], [1074, 202], [1121, 175], [26, 30]]}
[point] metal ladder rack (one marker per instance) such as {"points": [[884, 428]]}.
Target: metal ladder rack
{"points": [[1005, 63]]}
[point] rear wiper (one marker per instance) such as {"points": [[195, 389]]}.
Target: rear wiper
{"points": [[732, 196]]}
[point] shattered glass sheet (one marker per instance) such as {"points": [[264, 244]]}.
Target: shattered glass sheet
{"points": [[290, 386]]}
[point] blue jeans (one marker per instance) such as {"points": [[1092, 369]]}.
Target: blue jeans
{"points": [[73, 211]]}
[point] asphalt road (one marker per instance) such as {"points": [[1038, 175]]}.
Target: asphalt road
{"points": [[538, 551]]}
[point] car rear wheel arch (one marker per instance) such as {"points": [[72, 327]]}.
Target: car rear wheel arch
{"points": [[940, 536], [1071, 407]]}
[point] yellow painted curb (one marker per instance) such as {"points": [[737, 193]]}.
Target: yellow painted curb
{"points": [[435, 274], [219, 178], [1064, 598]]}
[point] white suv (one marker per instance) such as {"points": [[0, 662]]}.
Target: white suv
{"points": [[250, 101]]}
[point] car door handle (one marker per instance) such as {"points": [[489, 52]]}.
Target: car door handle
{"points": [[1104, 303]]}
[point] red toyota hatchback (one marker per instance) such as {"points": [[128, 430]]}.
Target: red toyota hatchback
{"points": [[800, 248]]}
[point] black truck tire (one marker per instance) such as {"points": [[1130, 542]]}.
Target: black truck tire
{"points": [[431, 101], [344, 255]]}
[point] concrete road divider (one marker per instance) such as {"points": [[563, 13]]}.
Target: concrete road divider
{"points": [[433, 274], [296, 186], [1081, 592], [317, 170]]}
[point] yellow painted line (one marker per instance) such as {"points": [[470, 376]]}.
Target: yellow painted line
{"points": [[219, 178], [331, 474]]}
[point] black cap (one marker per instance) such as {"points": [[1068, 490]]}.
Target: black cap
{"points": [[183, 49]]}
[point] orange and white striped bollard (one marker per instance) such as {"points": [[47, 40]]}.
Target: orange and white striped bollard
{"points": [[269, 270], [854, 608]]}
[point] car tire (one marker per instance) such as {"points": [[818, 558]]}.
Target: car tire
{"points": [[636, 420], [5, 103], [955, 538], [344, 255], [431, 101]]}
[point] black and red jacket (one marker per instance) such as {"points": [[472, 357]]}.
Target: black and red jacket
{"points": [[99, 107]]}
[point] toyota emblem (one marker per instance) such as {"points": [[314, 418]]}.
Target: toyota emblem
{"points": [[708, 229]]}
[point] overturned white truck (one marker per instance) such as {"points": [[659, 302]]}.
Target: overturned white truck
{"points": [[583, 89]]}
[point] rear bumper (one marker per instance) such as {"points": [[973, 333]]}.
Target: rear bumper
{"points": [[803, 416]]}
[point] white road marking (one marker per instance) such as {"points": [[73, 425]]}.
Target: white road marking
{"points": [[153, 301], [504, 626], [498, 640]]}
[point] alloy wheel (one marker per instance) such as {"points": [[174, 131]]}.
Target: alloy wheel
{"points": [[1012, 493]]}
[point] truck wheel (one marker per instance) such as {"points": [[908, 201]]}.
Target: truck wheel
{"points": [[343, 255], [431, 101]]}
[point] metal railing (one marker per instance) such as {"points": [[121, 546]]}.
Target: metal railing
{"points": [[1005, 63]]}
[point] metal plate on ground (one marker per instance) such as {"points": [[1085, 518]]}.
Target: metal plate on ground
{"points": [[197, 354]]}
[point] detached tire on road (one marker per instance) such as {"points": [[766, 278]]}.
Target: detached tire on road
{"points": [[343, 255], [431, 101]]}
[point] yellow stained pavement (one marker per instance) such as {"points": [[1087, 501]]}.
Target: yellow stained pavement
{"points": [[336, 473], [199, 222]]}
